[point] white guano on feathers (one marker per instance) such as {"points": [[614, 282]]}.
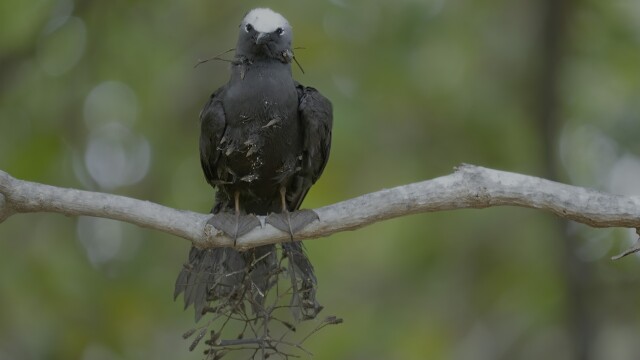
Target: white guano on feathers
{"points": [[265, 20]]}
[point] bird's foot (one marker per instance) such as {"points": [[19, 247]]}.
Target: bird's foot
{"points": [[234, 225], [292, 222]]}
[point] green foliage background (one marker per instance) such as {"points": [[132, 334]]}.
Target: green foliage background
{"points": [[417, 86]]}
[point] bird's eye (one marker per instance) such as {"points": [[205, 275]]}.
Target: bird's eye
{"points": [[279, 31], [248, 27]]}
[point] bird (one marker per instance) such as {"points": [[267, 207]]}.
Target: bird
{"points": [[265, 140]]}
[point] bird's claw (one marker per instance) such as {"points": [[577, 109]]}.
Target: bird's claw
{"points": [[234, 225], [292, 222]]}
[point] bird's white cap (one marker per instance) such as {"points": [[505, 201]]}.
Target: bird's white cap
{"points": [[265, 20]]}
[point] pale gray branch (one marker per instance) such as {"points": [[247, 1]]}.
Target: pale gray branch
{"points": [[468, 187]]}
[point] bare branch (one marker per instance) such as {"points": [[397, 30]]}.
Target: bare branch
{"points": [[25, 197], [468, 187]]}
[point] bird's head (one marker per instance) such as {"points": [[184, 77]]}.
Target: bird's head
{"points": [[265, 34]]}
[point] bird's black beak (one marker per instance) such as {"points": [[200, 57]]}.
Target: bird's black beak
{"points": [[262, 38]]}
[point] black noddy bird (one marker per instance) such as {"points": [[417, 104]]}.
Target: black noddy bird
{"points": [[264, 141]]}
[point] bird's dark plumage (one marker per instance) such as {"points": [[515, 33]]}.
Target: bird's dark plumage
{"points": [[261, 133]]}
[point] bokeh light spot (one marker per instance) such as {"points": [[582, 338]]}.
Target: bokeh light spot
{"points": [[115, 156], [62, 46], [110, 101], [101, 238]]}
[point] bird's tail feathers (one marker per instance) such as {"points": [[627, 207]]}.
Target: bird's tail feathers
{"points": [[226, 277], [304, 305]]}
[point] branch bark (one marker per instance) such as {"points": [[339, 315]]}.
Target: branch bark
{"points": [[468, 187]]}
